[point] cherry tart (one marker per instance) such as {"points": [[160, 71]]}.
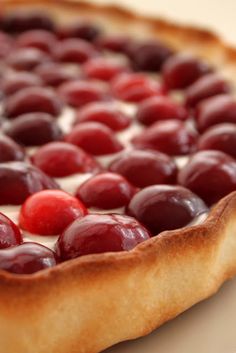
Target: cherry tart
{"points": [[117, 174]]}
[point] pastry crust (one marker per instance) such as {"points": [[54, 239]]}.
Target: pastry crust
{"points": [[90, 303]]}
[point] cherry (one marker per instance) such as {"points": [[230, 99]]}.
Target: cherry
{"points": [[10, 234], [17, 22], [26, 59], [49, 212], [32, 99], [220, 137], [205, 87], [18, 180], [94, 138], [168, 136], [10, 150], [210, 174], [113, 43], [105, 113], [60, 159], [34, 129], [83, 30], [154, 109], [106, 191], [27, 258], [54, 74], [99, 234], [135, 87], [74, 51], [18, 80], [144, 168], [180, 71], [78, 93], [40, 39], [216, 110], [5, 44], [165, 207]]}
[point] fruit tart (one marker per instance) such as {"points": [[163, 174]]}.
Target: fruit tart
{"points": [[117, 173]]}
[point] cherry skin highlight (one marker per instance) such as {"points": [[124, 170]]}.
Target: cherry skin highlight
{"points": [[27, 59], [74, 51], [40, 39], [103, 69], [15, 82], [54, 74], [10, 150], [10, 234]]}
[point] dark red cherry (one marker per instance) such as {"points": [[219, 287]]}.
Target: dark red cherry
{"points": [[113, 43], [12, 83], [16, 22], [94, 138], [18, 180], [216, 110], [83, 30], [172, 137], [99, 234], [165, 207], [144, 168], [27, 258], [32, 99], [154, 109], [34, 129], [180, 71], [40, 39], [210, 174], [105, 113], [10, 234], [205, 87], [78, 93], [10, 150], [74, 51], [5, 44], [104, 69], [54, 74], [106, 191], [60, 159], [27, 59], [49, 212]]}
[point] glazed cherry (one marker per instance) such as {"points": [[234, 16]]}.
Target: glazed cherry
{"points": [[165, 207], [180, 71], [154, 109], [172, 137], [144, 168], [32, 99], [5, 44], [53, 74], [94, 138], [10, 234], [40, 39], [10, 150], [27, 258], [220, 137], [106, 191], [49, 212], [205, 87], [105, 113], [98, 233], [114, 43], [135, 87], [78, 93], [60, 159], [216, 110], [34, 129], [23, 21], [210, 174], [74, 51], [26, 59], [83, 30], [18, 80], [18, 180]]}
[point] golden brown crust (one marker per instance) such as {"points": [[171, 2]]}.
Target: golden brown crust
{"points": [[90, 303]]}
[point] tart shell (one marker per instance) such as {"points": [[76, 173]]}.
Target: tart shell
{"points": [[90, 303]]}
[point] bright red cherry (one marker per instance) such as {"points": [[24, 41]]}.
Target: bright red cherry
{"points": [[135, 87], [74, 51], [5, 44], [83, 30], [79, 93], [105, 113], [49, 212], [165, 207], [216, 110], [180, 71], [40, 39], [144, 168], [54, 74], [27, 258], [99, 234], [26, 59], [106, 191], [32, 99], [34, 129], [10, 234], [104, 69], [172, 137], [21, 21], [60, 159], [205, 87], [154, 109], [10, 150], [210, 174], [18, 80], [94, 138], [18, 180], [113, 43]]}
